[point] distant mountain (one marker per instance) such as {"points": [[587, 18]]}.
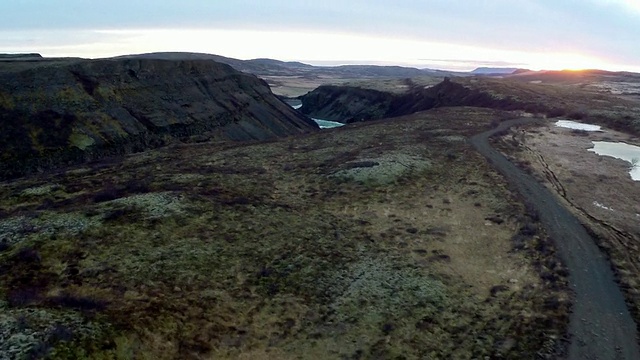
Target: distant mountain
{"points": [[4, 57], [378, 71], [575, 77], [272, 62], [494, 71], [271, 67]]}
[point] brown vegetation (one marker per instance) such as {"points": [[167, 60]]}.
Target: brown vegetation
{"points": [[369, 241]]}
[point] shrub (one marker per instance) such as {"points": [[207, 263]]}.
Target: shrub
{"points": [[28, 255], [580, 132], [107, 194], [67, 300], [555, 112], [61, 333], [528, 229], [137, 186], [117, 214], [577, 115], [23, 297]]}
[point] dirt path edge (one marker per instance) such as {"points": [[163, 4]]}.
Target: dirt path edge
{"points": [[600, 325]]}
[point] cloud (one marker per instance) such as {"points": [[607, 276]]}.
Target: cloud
{"points": [[631, 5], [476, 62], [588, 29], [310, 47]]}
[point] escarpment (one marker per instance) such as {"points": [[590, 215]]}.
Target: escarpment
{"points": [[346, 103], [54, 114], [349, 104]]}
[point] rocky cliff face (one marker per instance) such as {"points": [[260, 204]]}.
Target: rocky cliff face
{"points": [[349, 104], [59, 113], [346, 104]]}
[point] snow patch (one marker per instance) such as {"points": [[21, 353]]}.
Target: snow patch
{"points": [[597, 204], [577, 126]]}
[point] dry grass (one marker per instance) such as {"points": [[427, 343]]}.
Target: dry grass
{"points": [[294, 86], [238, 251]]}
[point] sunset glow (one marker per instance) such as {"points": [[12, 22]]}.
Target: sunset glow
{"points": [[317, 48], [453, 35]]}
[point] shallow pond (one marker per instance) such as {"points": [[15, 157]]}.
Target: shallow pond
{"points": [[569, 124], [326, 124], [626, 152]]}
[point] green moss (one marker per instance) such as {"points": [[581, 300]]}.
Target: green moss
{"points": [[40, 190], [46, 225], [6, 101], [81, 141], [39, 332], [377, 289], [70, 97], [155, 205], [107, 93], [384, 170]]}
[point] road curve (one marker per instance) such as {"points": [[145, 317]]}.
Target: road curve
{"points": [[600, 324]]}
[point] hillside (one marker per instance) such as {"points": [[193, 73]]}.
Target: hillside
{"points": [[494, 71], [271, 67], [55, 113], [371, 241], [590, 100]]}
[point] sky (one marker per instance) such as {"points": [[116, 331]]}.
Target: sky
{"points": [[443, 34]]}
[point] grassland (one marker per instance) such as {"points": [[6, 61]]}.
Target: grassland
{"points": [[294, 86], [381, 240]]}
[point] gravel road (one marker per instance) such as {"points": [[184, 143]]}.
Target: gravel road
{"points": [[600, 326]]}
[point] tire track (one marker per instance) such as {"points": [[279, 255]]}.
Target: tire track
{"points": [[600, 325]]}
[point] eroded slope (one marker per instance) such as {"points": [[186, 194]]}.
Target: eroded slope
{"points": [[53, 113]]}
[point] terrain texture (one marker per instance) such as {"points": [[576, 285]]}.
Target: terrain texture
{"points": [[601, 326], [599, 192], [67, 111], [572, 99], [292, 79], [377, 240], [597, 189]]}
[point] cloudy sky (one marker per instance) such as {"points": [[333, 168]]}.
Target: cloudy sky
{"points": [[451, 34]]}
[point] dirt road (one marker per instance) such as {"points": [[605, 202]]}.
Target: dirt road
{"points": [[600, 326]]}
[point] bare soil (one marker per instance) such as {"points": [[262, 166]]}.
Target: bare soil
{"points": [[294, 86]]}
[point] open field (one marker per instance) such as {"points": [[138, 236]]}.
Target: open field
{"points": [[294, 86], [373, 241]]}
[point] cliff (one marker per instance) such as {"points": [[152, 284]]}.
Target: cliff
{"points": [[346, 104], [349, 104], [67, 112]]}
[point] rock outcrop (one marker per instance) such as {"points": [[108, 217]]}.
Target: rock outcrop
{"points": [[349, 104], [66, 112], [346, 104], [28, 56]]}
